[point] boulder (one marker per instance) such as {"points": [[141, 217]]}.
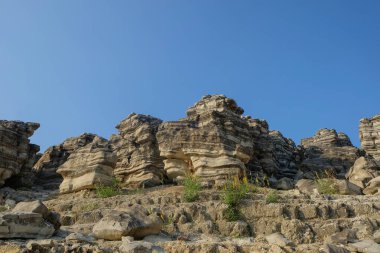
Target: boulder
{"points": [[88, 167], [32, 207], [24, 225], [363, 170], [373, 186], [307, 186], [212, 142], [46, 167], [369, 130], [17, 155], [278, 239], [285, 184], [131, 222], [329, 151], [138, 158]]}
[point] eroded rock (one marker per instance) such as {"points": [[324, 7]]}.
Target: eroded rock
{"points": [[370, 136]]}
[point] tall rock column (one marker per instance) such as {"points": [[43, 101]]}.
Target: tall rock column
{"points": [[369, 130], [212, 142], [17, 155]]}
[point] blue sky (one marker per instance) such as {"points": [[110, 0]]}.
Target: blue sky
{"points": [[83, 65]]}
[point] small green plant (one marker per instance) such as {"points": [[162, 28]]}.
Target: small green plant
{"points": [[326, 183], [272, 197], [106, 191], [192, 188], [235, 190], [89, 207], [3, 208]]}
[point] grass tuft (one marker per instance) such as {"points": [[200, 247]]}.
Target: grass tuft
{"points": [[272, 197], [192, 188], [106, 191]]}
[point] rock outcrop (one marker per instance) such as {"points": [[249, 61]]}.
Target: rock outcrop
{"points": [[212, 142], [327, 151], [369, 130], [138, 158], [55, 156], [363, 170], [88, 166], [17, 155]]}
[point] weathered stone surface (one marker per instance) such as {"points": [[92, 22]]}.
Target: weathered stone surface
{"points": [[213, 142], [31, 207], [133, 222], [327, 151], [373, 186], [363, 170], [24, 225], [17, 155], [369, 130], [138, 159], [88, 166], [46, 167]]}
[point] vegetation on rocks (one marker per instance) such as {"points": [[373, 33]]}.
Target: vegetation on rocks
{"points": [[272, 197], [106, 191], [192, 187], [235, 190]]}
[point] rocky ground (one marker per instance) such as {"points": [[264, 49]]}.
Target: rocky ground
{"points": [[296, 222]]}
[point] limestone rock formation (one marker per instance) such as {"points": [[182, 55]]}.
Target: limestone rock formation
{"points": [[373, 186], [370, 136], [327, 150], [212, 142], [17, 155], [88, 166], [363, 170], [138, 159], [55, 156]]}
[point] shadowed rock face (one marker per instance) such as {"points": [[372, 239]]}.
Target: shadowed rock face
{"points": [[55, 156], [88, 166], [328, 150], [138, 159], [17, 155], [213, 142], [370, 136]]}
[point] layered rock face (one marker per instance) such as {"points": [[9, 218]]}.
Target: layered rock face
{"points": [[88, 166], [213, 142], [273, 154], [328, 150], [17, 155], [369, 130], [138, 158], [55, 156]]}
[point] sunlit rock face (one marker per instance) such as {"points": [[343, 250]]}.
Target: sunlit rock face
{"points": [[138, 159], [212, 142], [55, 156], [17, 155], [328, 150], [88, 167], [370, 136]]}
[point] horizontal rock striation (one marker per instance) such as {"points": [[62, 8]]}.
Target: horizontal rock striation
{"points": [[327, 151], [212, 142], [88, 166], [55, 156], [17, 155], [138, 158], [369, 130]]}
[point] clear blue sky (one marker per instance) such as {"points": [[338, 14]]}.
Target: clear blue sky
{"points": [[82, 66]]}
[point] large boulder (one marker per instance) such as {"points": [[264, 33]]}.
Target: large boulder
{"points": [[88, 167], [17, 155], [133, 222], [327, 150], [138, 158], [46, 167], [373, 186], [212, 142], [369, 130], [363, 170]]}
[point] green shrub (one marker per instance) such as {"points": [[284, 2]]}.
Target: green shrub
{"points": [[3, 208], [192, 188], [272, 197], [326, 186], [234, 192], [106, 191]]}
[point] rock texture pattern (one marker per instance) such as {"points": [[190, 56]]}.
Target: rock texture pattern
{"points": [[212, 142], [17, 155], [138, 158], [370, 136], [328, 150], [55, 156], [88, 166]]}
